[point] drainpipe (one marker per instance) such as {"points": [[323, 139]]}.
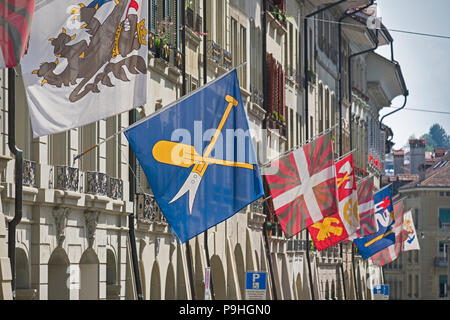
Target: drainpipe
{"points": [[342, 18], [183, 45], [266, 227], [205, 81], [264, 62], [350, 81], [306, 85], [306, 62], [131, 217], [350, 130], [346, 15], [12, 225]]}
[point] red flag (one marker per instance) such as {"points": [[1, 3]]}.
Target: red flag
{"points": [[302, 185], [328, 232], [15, 23], [366, 209], [348, 197]]}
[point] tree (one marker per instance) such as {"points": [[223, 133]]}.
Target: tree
{"points": [[436, 138], [439, 136]]}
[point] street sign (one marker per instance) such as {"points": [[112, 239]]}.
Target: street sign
{"points": [[381, 292], [255, 285]]}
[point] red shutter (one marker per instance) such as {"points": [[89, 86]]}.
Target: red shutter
{"points": [[283, 93]]}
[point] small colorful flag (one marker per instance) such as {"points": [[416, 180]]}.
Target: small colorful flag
{"points": [[411, 242], [391, 252], [347, 195], [328, 232], [366, 208], [199, 157], [15, 25], [86, 61], [302, 185], [385, 236]]}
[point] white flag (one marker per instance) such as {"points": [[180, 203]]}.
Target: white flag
{"points": [[86, 61], [411, 242]]}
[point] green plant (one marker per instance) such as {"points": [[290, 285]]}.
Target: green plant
{"points": [[275, 115], [158, 43], [282, 119]]}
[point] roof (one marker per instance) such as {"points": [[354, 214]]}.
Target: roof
{"points": [[436, 176]]}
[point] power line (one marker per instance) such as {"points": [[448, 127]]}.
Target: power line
{"points": [[359, 25], [423, 110]]}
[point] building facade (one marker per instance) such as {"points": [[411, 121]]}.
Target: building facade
{"points": [[74, 242]]}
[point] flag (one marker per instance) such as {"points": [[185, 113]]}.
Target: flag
{"points": [[347, 195], [391, 253], [302, 185], [411, 242], [15, 23], [384, 237], [86, 61], [328, 232], [341, 225], [199, 158], [366, 208]]}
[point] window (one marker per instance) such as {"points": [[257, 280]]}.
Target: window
{"points": [[416, 287], [443, 286], [239, 50], [416, 218], [444, 218]]}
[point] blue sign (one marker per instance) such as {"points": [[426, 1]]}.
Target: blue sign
{"points": [[381, 289], [256, 281]]}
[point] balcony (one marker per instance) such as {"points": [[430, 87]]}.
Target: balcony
{"points": [[67, 178], [147, 209], [441, 262], [29, 173], [96, 183], [190, 17], [227, 59], [296, 245], [277, 8], [275, 124], [198, 24], [115, 188], [215, 52]]}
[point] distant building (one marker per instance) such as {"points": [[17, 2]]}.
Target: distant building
{"points": [[424, 274]]}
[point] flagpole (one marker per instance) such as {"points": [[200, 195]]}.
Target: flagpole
{"points": [[78, 156], [299, 146]]}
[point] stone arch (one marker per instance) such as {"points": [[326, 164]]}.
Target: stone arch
{"points": [[182, 285], [58, 275], [327, 290], [170, 287], [218, 277], [155, 282], [258, 263], [240, 268], [333, 290], [89, 276], [112, 287], [22, 270], [299, 287]]}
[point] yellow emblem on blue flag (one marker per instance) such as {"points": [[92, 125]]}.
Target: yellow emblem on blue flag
{"points": [[199, 157]]}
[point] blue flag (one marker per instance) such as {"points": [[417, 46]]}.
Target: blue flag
{"points": [[384, 214], [199, 158]]}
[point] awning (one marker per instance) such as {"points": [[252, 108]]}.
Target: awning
{"points": [[344, 5], [384, 79]]}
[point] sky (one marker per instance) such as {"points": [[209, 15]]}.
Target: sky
{"points": [[425, 64]]}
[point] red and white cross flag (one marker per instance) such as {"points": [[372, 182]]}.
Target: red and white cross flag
{"points": [[302, 185]]}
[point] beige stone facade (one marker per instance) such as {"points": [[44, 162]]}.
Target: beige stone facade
{"points": [[73, 241]]}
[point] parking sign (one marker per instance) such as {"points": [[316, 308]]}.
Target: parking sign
{"points": [[255, 285]]}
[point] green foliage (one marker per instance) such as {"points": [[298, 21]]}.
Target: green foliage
{"points": [[436, 138]]}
